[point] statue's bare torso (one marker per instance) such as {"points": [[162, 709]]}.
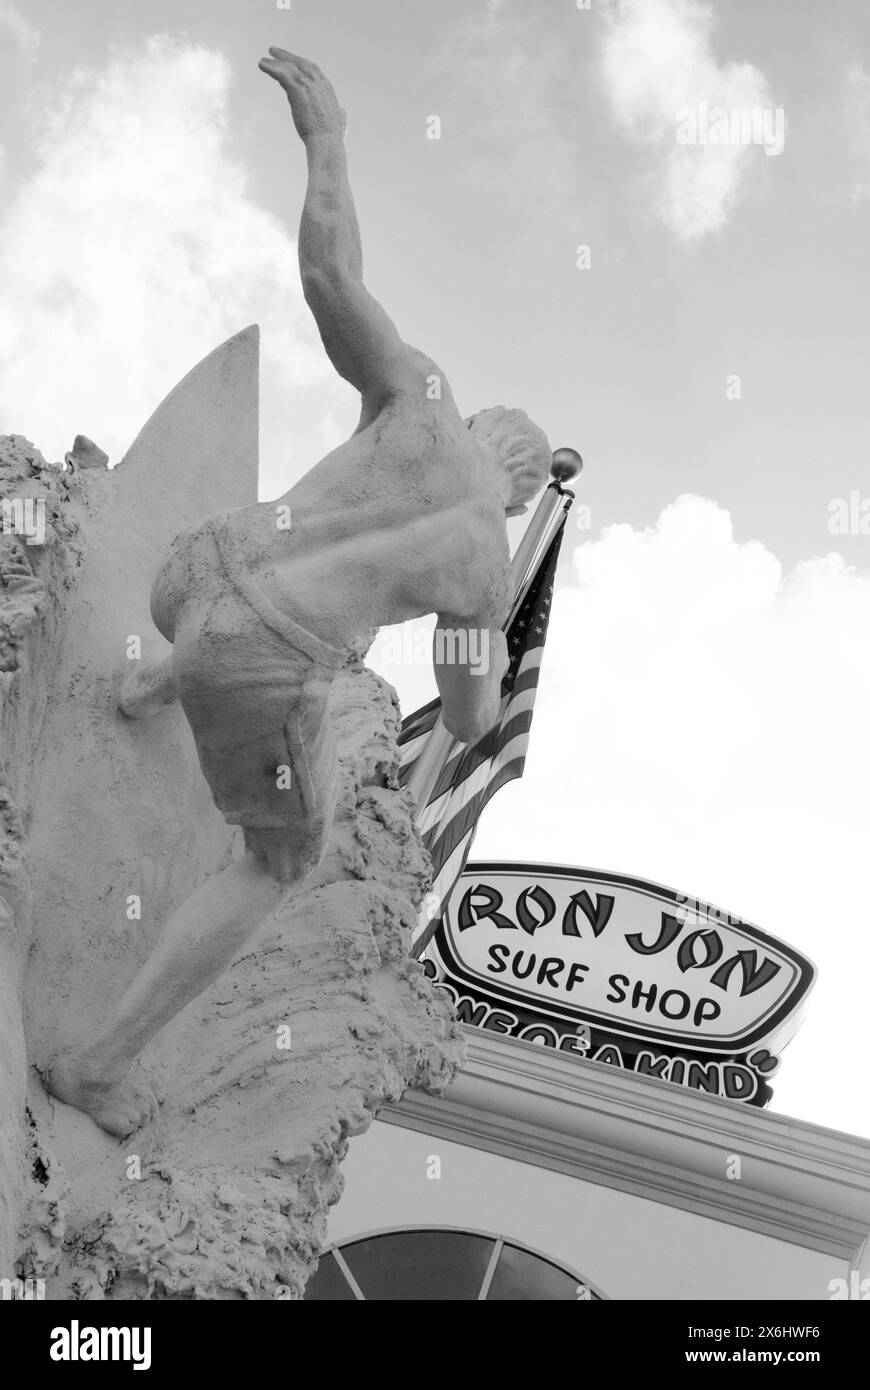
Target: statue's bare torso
{"points": [[401, 520]]}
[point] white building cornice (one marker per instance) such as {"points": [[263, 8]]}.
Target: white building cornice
{"points": [[798, 1182]]}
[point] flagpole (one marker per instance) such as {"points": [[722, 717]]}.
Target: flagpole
{"points": [[566, 464]]}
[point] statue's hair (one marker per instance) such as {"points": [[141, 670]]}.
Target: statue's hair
{"points": [[521, 447]]}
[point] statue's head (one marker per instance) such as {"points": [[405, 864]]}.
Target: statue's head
{"points": [[519, 446]]}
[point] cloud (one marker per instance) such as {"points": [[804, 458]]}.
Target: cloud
{"points": [[657, 62], [25, 35], [702, 722], [134, 249]]}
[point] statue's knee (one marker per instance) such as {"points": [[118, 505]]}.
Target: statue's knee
{"points": [[290, 853]]}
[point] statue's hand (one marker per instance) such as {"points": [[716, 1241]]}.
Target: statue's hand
{"points": [[311, 95]]}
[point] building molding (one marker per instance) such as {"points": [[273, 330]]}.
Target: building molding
{"points": [[799, 1183]]}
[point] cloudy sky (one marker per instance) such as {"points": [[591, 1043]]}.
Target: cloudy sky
{"points": [[703, 715]]}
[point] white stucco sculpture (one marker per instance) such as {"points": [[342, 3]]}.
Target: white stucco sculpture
{"points": [[266, 604]]}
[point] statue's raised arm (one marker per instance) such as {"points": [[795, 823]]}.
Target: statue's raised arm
{"points": [[360, 338]]}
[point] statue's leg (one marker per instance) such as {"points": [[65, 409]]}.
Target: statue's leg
{"points": [[197, 943]]}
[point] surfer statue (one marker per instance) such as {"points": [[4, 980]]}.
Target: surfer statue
{"points": [[265, 605]]}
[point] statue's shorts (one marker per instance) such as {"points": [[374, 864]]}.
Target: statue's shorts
{"points": [[254, 684]]}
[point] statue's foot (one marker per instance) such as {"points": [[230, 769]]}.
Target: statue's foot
{"points": [[116, 1106], [147, 689]]}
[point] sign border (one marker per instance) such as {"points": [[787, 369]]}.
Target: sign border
{"points": [[763, 1031]]}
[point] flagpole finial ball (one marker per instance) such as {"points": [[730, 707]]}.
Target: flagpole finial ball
{"points": [[566, 464]]}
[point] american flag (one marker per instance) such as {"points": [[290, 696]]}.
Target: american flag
{"points": [[474, 772]]}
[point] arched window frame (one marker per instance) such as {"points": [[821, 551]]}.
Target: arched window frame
{"points": [[500, 1240]]}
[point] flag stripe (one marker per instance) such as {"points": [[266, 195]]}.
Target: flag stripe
{"points": [[512, 751], [443, 885], [467, 817], [514, 735]]}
